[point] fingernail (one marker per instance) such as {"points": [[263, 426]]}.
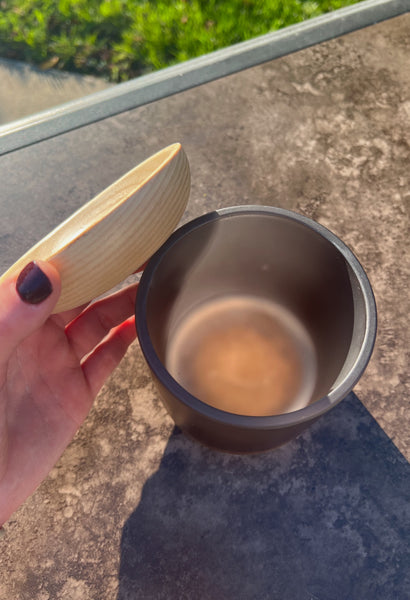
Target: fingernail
{"points": [[33, 286]]}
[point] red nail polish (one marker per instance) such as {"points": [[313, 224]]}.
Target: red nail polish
{"points": [[33, 285]]}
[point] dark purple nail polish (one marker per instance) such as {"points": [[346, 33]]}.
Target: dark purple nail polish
{"points": [[33, 286]]}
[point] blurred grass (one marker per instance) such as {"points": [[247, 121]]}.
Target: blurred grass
{"points": [[121, 39]]}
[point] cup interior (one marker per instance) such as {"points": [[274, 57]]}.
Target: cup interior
{"points": [[270, 254]]}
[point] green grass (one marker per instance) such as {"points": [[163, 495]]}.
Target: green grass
{"points": [[121, 39]]}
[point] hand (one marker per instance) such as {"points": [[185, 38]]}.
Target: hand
{"points": [[51, 368]]}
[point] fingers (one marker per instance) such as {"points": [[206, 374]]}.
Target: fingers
{"points": [[87, 330], [107, 355], [26, 302], [69, 315]]}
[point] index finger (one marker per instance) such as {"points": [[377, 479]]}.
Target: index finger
{"points": [[90, 327]]}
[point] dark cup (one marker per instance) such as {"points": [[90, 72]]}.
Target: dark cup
{"points": [[274, 254]]}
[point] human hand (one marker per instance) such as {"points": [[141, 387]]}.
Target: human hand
{"points": [[51, 369]]}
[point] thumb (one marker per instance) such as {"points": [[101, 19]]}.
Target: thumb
{"points": [[26, 301]]}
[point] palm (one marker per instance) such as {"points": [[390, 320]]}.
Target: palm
{"points": [[48, 386]]}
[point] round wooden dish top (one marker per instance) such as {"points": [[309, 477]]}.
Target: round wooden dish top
{"points": [[116, 232]]}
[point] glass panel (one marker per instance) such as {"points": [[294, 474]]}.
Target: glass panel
{"points": [[54, 51]]}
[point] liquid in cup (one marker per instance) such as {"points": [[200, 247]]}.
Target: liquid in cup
{"points": [[245, 355]]}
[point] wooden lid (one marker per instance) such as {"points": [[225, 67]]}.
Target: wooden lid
{"points": [[116, 232]]}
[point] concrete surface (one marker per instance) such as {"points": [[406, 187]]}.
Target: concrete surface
{"points": [[25, 90], [133, 509]]}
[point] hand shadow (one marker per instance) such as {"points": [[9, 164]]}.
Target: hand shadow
{"points": [[325, 517]]}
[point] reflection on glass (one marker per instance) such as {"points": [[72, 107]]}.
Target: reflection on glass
{"points": [[25, 90]]}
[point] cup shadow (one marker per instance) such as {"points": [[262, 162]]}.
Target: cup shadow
{"points": [[325, 517]]}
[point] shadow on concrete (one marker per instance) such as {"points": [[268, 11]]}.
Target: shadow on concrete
{"points": [[325, 517]]}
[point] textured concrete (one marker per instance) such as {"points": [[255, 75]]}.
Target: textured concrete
{"points": [[25, 89], [134, 509]]}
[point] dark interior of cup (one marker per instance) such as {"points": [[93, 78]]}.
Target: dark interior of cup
{"points": [[264, 254]]}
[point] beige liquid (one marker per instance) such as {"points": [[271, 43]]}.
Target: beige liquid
{"points": [[244, 355]]}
